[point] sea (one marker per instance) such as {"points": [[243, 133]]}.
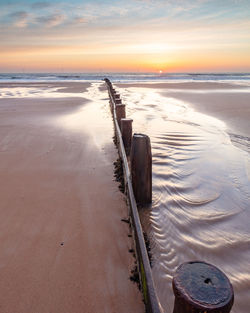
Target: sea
{"points": [[124, 77], [201, 170]]}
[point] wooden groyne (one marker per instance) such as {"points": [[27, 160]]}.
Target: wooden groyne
{"points": [[146, 279], [198, 287]]}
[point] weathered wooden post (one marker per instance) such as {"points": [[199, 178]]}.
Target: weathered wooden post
{"points": [[117, 96], [200, 287], [112, 91], [120, 113], [126, 130], [107, 81], [141, 168], [118, 101], [111, 106]]}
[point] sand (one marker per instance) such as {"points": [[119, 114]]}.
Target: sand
{"points": [[63, 245], [225, 101], [201, 179]]}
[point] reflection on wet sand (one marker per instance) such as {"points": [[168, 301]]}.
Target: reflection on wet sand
{"points": [[201, 191]]}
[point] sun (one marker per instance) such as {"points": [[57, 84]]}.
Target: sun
{"points": [[160, 71]]}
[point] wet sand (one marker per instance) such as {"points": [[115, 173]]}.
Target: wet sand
{"points": [[63, 245], [201, 179], [226, 101]]}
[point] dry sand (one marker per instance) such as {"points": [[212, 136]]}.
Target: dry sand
{"points": [[63, 246]]}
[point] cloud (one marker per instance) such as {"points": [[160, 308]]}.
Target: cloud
{"points": [[51, 20], [41, 5], [19, 14], [20, 18], [80, 20]]}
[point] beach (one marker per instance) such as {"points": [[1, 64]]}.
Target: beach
{"points": [[200, 138], [72, 237], [63, 245]]}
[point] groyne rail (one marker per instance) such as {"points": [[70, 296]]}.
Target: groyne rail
{"points": [[147, 285]]}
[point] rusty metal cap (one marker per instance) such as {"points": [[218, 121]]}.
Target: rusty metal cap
{"points": [[203, 286]]}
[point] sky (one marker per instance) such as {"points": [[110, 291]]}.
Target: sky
{"points": [[125, 36]]}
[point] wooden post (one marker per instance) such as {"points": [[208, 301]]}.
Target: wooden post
{"points": [[107, 81], [200, 287], [141, 168], [111, 106], [117, 96], [118, 101], [120, 113], [126, 130]]}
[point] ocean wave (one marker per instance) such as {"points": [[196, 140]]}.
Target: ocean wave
{"points": [[126, 77]]}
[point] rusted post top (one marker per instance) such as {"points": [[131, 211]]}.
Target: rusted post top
{"points": [[201, 287]]}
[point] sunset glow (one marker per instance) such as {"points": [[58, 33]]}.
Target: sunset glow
{"points": [[133, 35]]}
